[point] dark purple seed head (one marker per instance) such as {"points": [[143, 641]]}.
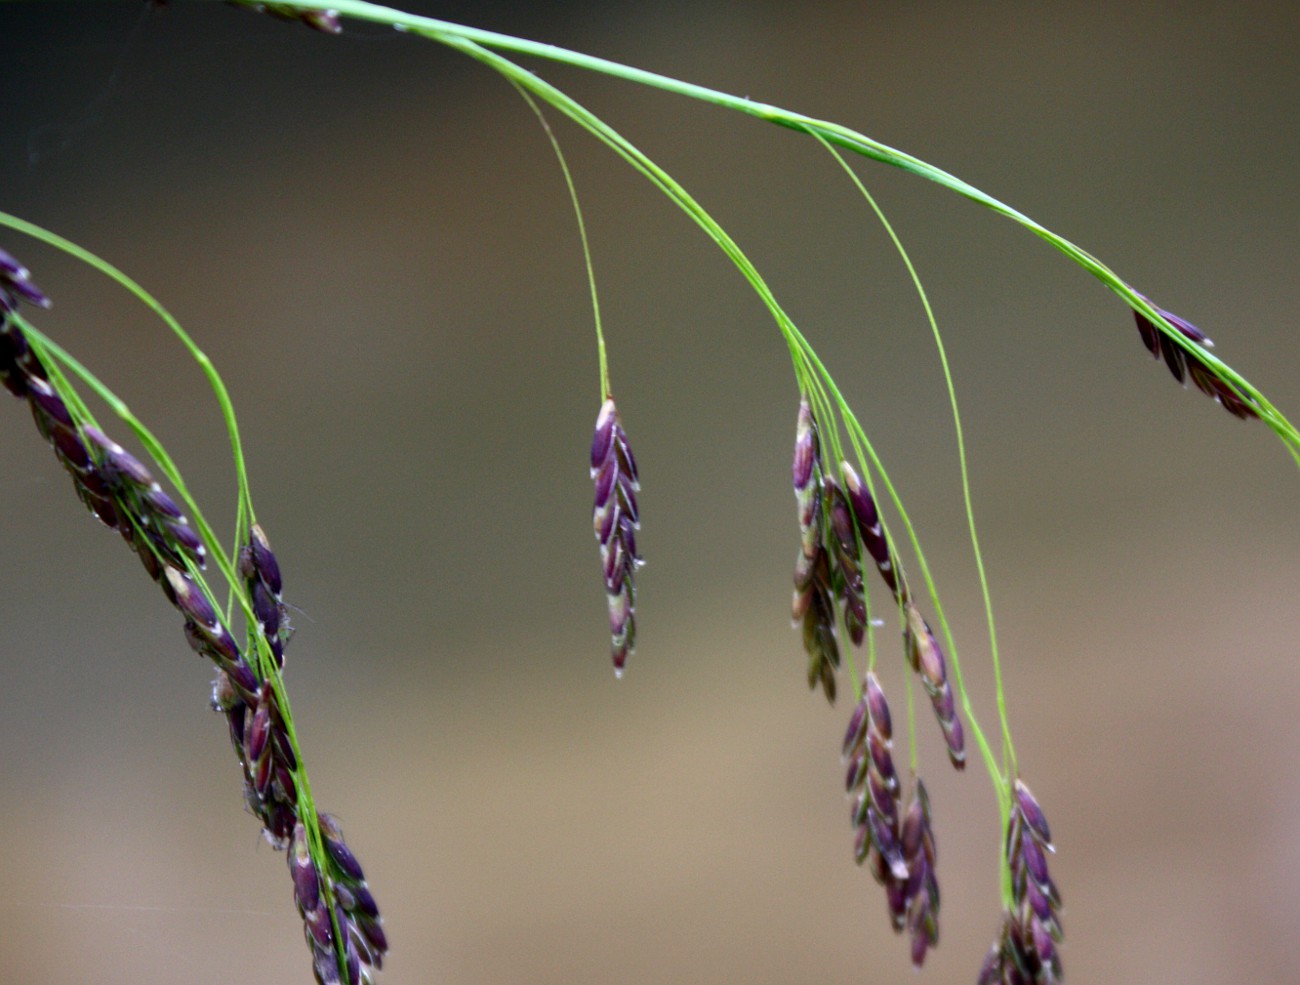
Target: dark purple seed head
{"points": [[991, 969], [316, 922], [921, 944], [364, 904], [628, 461], [265, 607], [243, 680], [257, 731], [118, 463], [71, 451], [606, 481], [841, 519], [885, 841], [857, 770], [338, 850], [864, 506], [353, 959], [15, 279], [882, 761], [603, 439], [325, 21], [374, 931], [882, 798], [913, 829], [955, 737], [224, 697], [857, 727], [1035, 861], [806, 449], [284, 753], [878, 707], [306, 882], [53, 412], [262, 776], [159, 503], [896, 899], [191, 601], [187, 540], [1033, 814]]}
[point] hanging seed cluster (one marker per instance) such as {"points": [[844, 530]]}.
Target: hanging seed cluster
{"points": [[616, 521], [1025, 952], [814, 590], [355, 915], [1185, 364], [839, 529], [897, 847], [122, 493]]}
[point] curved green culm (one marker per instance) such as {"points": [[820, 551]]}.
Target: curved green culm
{"points": [[459, 36]]}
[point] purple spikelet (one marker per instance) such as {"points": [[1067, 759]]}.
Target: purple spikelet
{"points": [[16, 285], [872, 531], [1026, 949], [1184, 363], [616, 521], [927, 660], [317, 18], [261, 573]]}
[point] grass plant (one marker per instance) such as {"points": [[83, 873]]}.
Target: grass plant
{"points": [[851, 521]]}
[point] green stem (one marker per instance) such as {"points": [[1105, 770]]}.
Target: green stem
{"points": [[582, 233]]}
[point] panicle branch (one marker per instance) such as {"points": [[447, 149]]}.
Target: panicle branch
{"points": [[122, 493]]}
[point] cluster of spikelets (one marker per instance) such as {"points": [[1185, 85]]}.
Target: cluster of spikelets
{"points": [[839, 528], [897, 846], [122, 493], [1185, 363], [838, 524], [1025, 951], [615, 519]]}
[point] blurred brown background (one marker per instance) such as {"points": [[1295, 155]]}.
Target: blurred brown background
{"points": [[370, 237]]}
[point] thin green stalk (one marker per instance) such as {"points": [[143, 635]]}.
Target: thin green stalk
{"points": [[582, 233], [199, 356], [1008, 751]]}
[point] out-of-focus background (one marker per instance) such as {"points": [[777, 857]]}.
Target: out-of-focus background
{"points": [[370, 237]]}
